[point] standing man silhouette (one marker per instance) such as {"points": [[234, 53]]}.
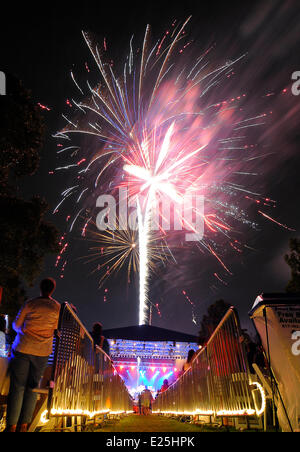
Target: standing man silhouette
{"points": [[35, 325]]}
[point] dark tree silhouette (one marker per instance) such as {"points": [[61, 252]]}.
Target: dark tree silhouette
{"points": [[210, 321], [21, 134], [26, 238], [293, 260]]}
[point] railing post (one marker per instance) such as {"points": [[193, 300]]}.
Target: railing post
{"points": [[53, 371]]}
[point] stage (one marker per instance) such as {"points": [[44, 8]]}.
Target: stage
{"points": [[147, 355]]}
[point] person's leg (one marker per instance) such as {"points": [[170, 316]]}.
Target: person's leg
{"points": [[19, 369], [37, 367]]}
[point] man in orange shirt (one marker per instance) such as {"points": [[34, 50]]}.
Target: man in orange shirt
{"points": [[35, 325]]}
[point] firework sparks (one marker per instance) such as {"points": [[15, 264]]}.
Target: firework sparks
{"points": [[194, 320], [121, 249], [276, 222], [162, 128], [117, 249]]}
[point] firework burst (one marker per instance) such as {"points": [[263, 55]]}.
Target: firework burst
{"points": [[164, 126], [114, 250]]}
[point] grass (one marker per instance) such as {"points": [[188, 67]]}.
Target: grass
{"points": [[135, 423]]}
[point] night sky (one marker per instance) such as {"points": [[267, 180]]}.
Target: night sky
{"points": [[40, 46]]}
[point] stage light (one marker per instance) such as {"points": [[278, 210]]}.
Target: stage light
{"points": [[169, 374], [121, 367], [154, 376], [164, 369], [175, 370], [153, 368]]}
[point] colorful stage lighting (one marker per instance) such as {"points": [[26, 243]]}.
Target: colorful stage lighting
{"points": [[169, 374]]}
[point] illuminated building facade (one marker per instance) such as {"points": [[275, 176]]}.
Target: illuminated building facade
{"points": [[147, 355]]}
